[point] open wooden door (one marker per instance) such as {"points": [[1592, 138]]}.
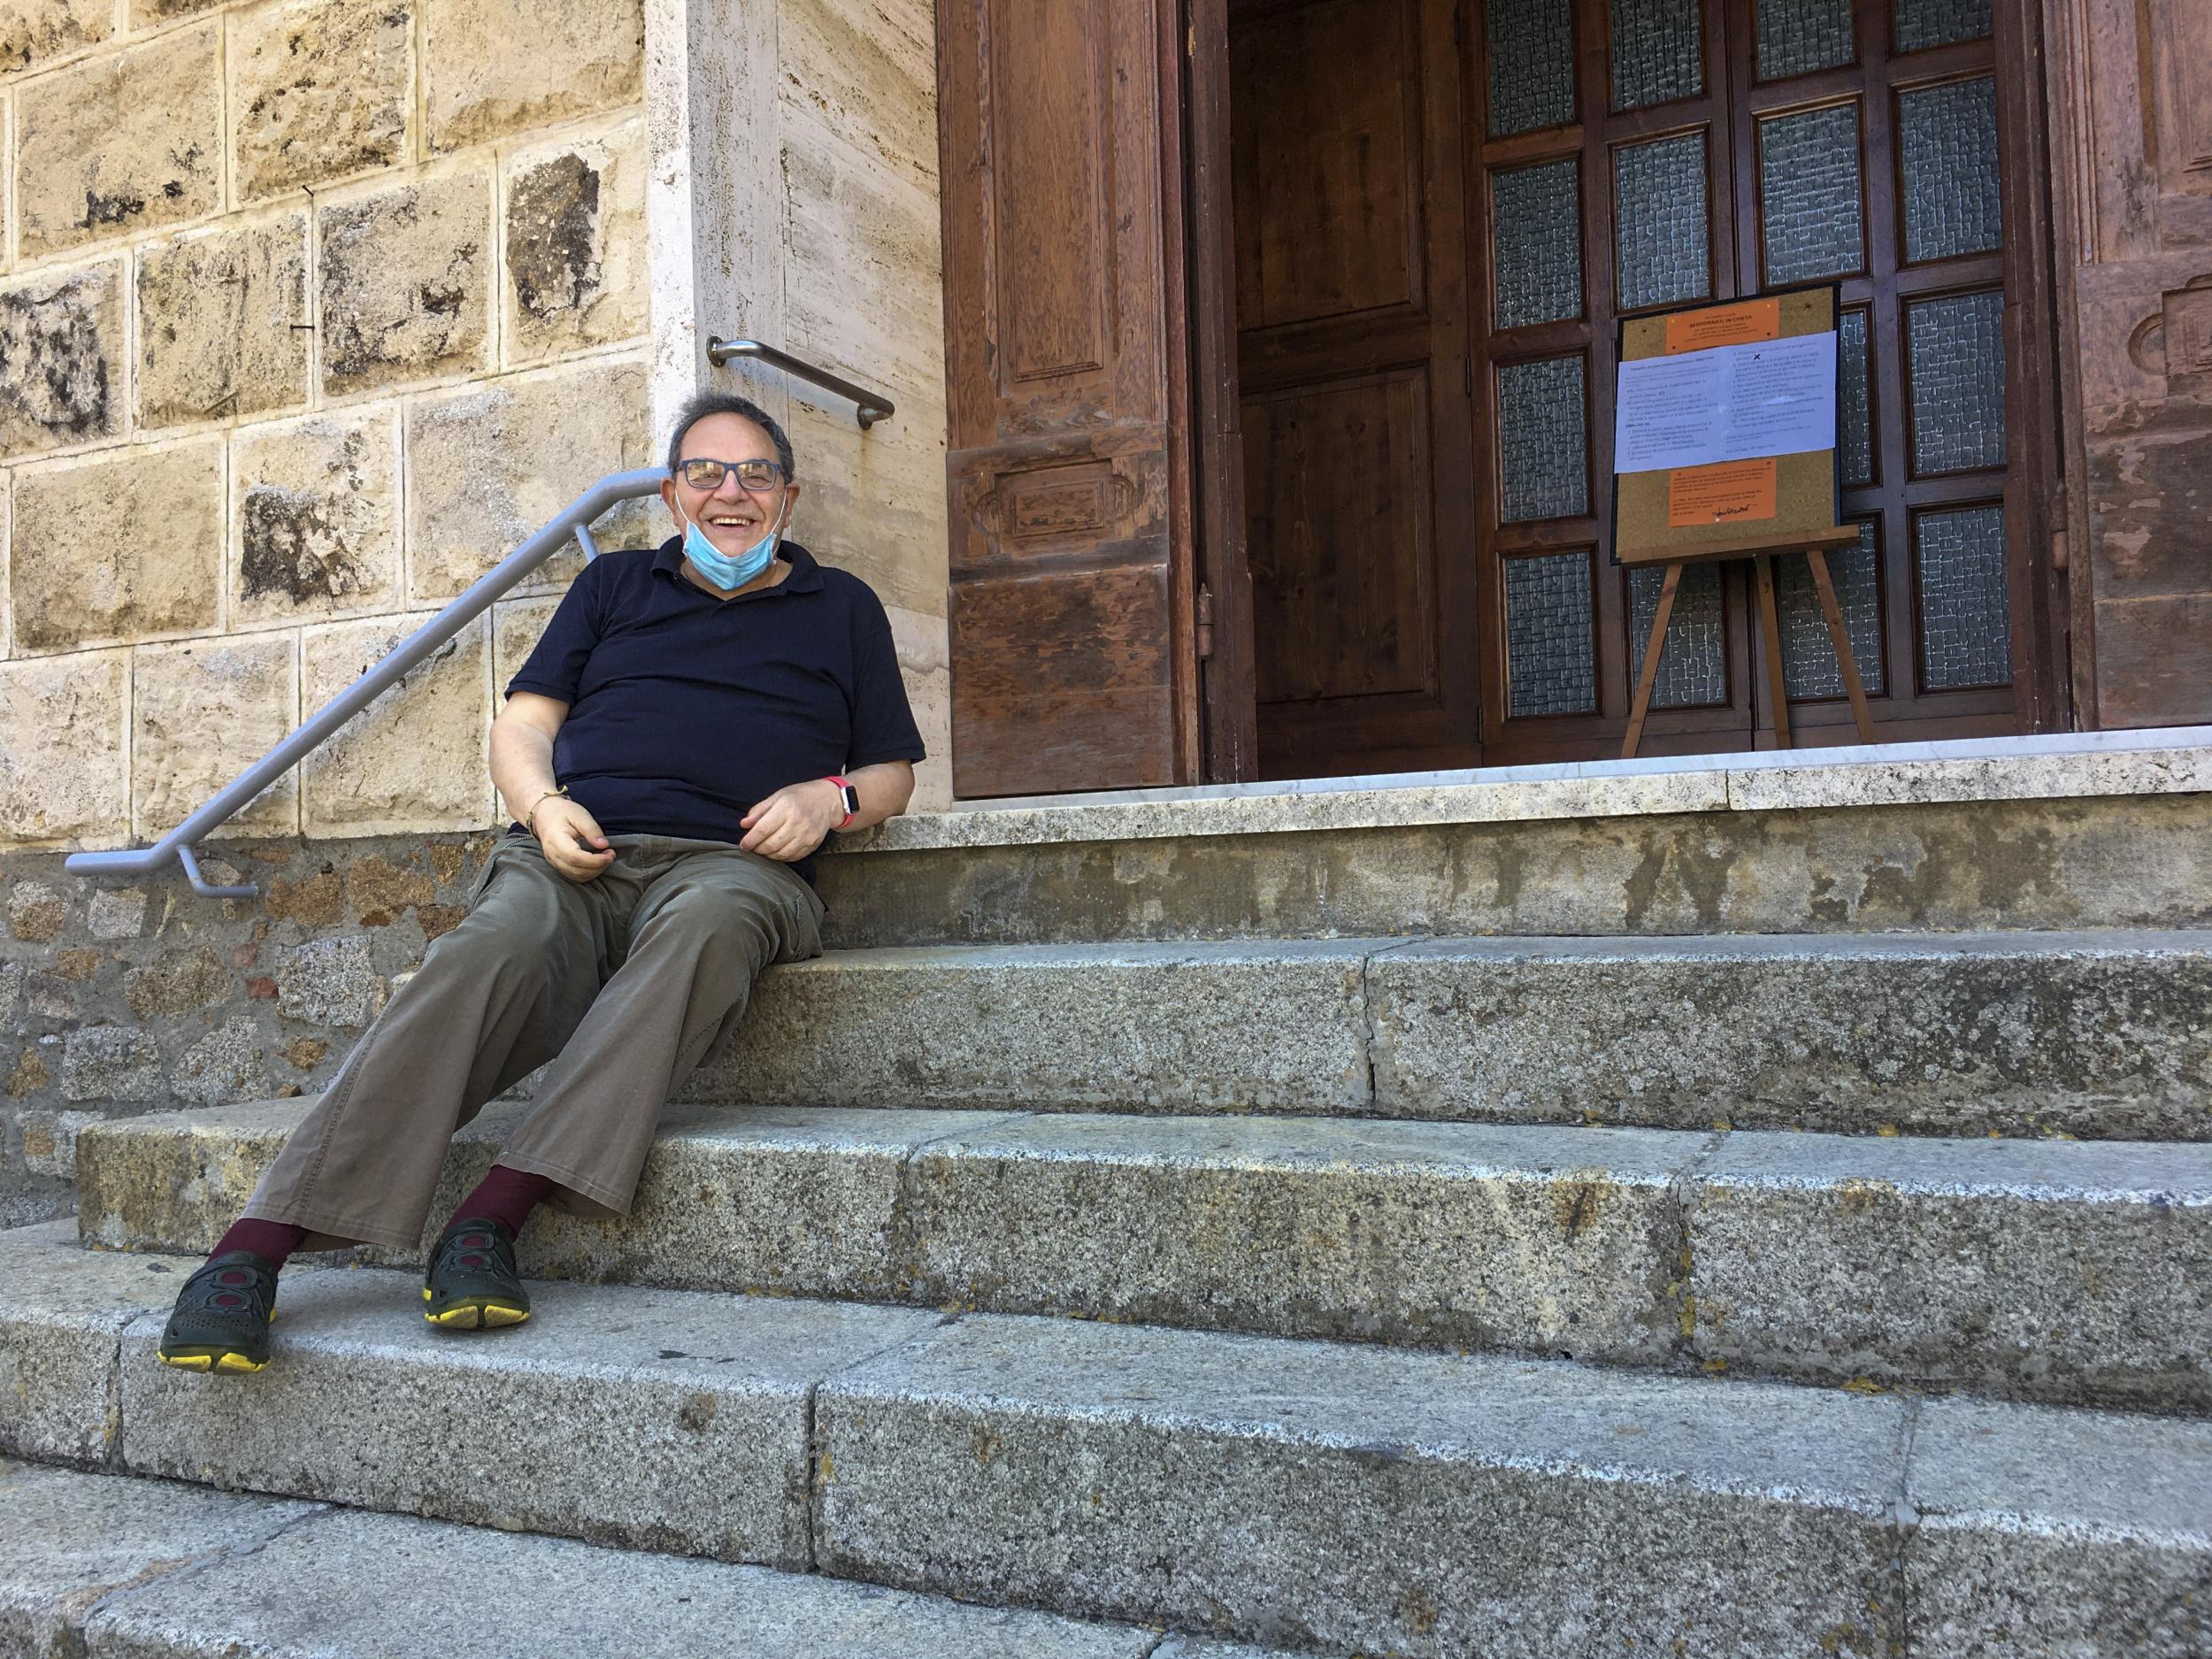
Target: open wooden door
{"points": [[1074, 593]]}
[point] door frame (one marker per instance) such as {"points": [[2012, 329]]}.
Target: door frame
{"points": [[2034, 491]]}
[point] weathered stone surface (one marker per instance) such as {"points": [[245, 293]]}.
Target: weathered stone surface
{"points": [[216, 316], [35, 32], [489, 465], [122, 142], [78, 1542], [175, 1181], [517, 627], [82, 567], [867, 243], [575, 235], [315, 518], [30, 1074], [2082, 766], [2088, 1033], [2070, 1271], [116, 912], [61, 738], [110, 1063], [381, 891], [405, 279], [350, 1582], [330, 982], [319, 88], [1551, 1241], [2050, 1531], [176, 987], [36, 911], [146, 13], [700, 1446], [926, 665], [204, 711], [61, 358], [414, 758], [224, 1065], [62, 1314], [869, 74], [50, 1142], [584, 55], [1421, 1504], [1161, 1028]]}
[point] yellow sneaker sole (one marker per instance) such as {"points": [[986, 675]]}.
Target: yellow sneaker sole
{"points": [[478, 1313], [212, 1359]]}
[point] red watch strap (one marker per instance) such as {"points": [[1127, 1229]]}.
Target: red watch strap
{"points": [[845, 787]]}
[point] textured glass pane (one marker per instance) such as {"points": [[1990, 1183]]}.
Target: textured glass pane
{"points": [[1549, 665], [1531, 66], [1658, 54], [1539, 238], [1925, 23], [1855, 434], [1808, 190], [1799, 36], [1809, 668], [1949, 135], [1965, 630], [1957, 351], [1694, 663], [1659, 221], [1543, 458]]}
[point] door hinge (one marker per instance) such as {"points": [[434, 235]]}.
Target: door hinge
{"points": [[1205, 622]]}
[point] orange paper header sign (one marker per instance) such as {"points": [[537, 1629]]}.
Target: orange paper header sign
{"points": [[1729, 492], [1742, 325]]}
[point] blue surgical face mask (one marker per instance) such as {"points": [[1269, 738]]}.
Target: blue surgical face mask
{"points": [[723, 570]]}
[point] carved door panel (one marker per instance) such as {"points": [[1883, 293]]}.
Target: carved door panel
{"points": [[1351, 319], [2131, 120], [1073, 652]]}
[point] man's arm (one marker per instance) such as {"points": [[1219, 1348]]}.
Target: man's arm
{"points": [[522, 771], [790, 824]]}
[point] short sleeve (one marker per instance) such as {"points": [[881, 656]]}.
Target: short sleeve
{"points": [[555, 667], [883, 721]]}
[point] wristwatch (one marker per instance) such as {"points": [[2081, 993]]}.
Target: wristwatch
{"points": [[850, 796]]}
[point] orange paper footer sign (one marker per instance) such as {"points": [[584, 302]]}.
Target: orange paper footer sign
{"points": [[1725, 325], [1725, 493]]}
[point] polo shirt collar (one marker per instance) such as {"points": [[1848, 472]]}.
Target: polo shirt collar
{"points": [[805, 578]]}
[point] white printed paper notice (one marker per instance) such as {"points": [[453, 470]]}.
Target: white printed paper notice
{"points": [[1731, 404]]}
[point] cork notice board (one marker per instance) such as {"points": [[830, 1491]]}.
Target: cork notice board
{"points": [[1745, 504]]}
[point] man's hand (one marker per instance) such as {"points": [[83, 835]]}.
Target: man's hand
{"points": [[791, 823], [571, 838]]}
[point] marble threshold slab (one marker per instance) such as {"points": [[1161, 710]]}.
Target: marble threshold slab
{"points": [[2175, 760]]}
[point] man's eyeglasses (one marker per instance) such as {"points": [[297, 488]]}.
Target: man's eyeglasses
{"points": [[702, 474]]}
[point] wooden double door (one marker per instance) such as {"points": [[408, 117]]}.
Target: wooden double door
{"points": [[1281, 340]]}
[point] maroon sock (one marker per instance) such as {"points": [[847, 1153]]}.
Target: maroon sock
{"points": [[272, 1240], [504, 1195]]}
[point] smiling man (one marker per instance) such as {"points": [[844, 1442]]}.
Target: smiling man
{"points": [[695, 721]]}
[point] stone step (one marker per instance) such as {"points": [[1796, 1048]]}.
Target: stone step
{"points": [[2108, 829], [2095, 1034], [1310, 1494], [2065, 1271], [116, 1567]]}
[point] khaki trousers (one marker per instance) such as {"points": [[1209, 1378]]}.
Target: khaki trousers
{"points": [[624, 982]]}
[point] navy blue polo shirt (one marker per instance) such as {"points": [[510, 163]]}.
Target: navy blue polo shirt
{"points": [[686, 710]]}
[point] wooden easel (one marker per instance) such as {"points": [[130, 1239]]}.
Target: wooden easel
{"points": [[1814, 545]]}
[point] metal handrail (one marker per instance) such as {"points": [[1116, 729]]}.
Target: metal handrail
{"points": [[573, 520], [871, 406]]}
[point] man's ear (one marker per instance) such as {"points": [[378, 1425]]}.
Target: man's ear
{"points": [[668, 500]]}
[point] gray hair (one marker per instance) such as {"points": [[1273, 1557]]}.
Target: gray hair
{"points": [[705, 403]]}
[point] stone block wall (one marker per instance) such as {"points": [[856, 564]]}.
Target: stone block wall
{"points": [[310, 310]]}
